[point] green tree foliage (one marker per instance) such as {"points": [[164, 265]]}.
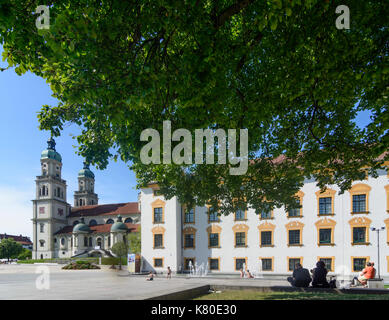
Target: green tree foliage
{"points": [[280, 69], [120, 249], [10, 249], [134, 242], [25, 254]]}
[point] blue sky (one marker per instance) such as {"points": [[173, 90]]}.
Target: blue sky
{"points": [[21, 143]]}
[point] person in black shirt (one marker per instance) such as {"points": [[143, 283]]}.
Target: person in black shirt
{"points": [[300, 277], [319, 276]]}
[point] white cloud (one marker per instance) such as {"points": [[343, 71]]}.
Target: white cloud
{"points": [[16, 210]]}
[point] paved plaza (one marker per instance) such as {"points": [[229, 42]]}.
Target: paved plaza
{"points": [[19, 282]]}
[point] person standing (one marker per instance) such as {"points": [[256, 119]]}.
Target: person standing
{"points": [[169, 273]]}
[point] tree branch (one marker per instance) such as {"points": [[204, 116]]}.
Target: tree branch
{"points": [[230, 11]]}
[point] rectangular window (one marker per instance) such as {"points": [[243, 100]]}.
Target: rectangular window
{"points": [[214, 264], [325, 206], [239, 262], [359, 203], [213, 239], [158, 263], [213, 215], [359, 264], [188, 263], [158, 215], [41, 209], [158, 240], [266, 238], [42, 227], [239, 215], [240, 239], [267, 264], [359, 234], [294, 237], [293, 262], [189, 241], [295, 212], [60, 212], [324, 236], [328, 263], [189, 216], [266, 215]]}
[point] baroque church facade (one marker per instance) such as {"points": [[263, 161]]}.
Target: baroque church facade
{"points": [[85, 229]]}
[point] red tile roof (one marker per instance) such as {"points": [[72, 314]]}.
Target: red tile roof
{"points": [[99, 228], [21, 239], [106, 209]]}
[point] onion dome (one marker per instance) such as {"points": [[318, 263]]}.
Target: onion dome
{"points": [[86, 172], [50, 152], [119, 226], [81, 227]]}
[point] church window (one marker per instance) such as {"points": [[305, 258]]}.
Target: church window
{"points": [[99, 242], [42, 227], [41, 209], [63, 241], [42, 243], [90, 241], [92, 222], [109, 241], [109, 221], [85, 241], [128, 220]]}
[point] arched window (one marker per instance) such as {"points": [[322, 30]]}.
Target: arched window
{"points": [[90, 241], [75, 223], [110, 221], [63, 241], [128, 220], [109, 241], [42, 243], [99, 242], [85, 241], [92, 222]]}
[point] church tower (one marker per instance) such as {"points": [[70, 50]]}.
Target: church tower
{"points": [[49, 207], [85, 195]]}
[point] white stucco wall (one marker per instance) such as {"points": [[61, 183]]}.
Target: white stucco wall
{"points": [[342, 251]]}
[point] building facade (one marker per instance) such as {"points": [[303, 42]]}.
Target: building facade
{"points": [[63, 231], [332, 227], [23, 240]]}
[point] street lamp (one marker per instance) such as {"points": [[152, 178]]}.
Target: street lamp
{"points": [[378, 247]]}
